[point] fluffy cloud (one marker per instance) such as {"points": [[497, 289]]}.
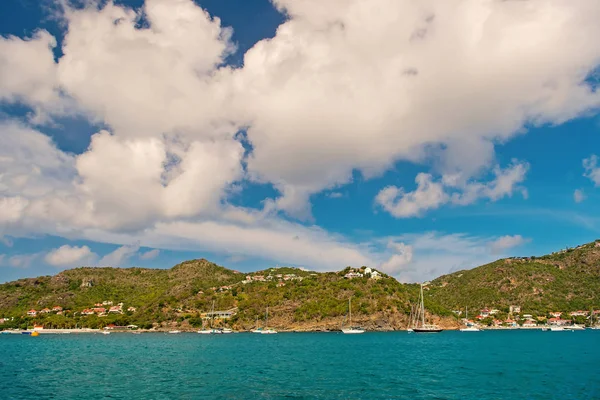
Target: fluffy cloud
{"points": [[592, 171], [507, 242], [358, 85], [578, 195], [118, 257], [450, 189], [350, 85], [70, 256], [150, 254], [403, 256], [18, 260], [435, 254]]}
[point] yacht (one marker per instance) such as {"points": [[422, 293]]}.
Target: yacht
{"points": [[211, 330], [421, 326], [174, 332], [560, 329], [351, 329], [469, 326], [265, 330]]}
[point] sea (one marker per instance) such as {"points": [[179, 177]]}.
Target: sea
{"points": [[515, 364]]}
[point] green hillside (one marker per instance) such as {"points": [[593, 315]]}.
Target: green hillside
{"points": [[563, 281], [297, 299], [182, 295]]}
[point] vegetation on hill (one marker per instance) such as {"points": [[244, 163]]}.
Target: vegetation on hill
{"points": [[182, 295], [563, 281], [298, 299]]}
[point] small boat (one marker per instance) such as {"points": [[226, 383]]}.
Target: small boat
{"points": [[136, 333], [210, 331], [105, 332], [560, 329], [35, 333], [469, 327], [26, 333], [576, 327], [421, 326], [265, 330], [174, 332], [226, 330], [352, 329]]}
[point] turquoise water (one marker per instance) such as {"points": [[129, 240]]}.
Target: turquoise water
{"points": [[395, 365]]}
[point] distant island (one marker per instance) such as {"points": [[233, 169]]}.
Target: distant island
{"points": [[557, 289]]}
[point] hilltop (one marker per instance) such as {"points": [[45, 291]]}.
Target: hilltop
{"points": [[563, 281]]}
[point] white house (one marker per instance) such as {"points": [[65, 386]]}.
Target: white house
{"points": [[32, 313]]}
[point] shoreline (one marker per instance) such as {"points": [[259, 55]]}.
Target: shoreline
{"points": [[99, 331]]}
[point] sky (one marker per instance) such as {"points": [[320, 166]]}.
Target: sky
{"points": [[418, 138]]}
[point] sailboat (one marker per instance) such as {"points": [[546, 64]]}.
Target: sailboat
{"points": [[267, 331], [351, 329], [469, 327], [210, 331], [421, 326], [258, 329]]}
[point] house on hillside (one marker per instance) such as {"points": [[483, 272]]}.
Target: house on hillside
{"points": [[351, 275], [87, 311], [556, 314], [32, 313], [579, 313], [131, 309], [45, 310], [57, 308], [115, 310], [280, 284], [558, 321], [529, 323], [484, 313], [515, 309]]}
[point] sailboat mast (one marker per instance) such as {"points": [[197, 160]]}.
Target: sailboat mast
{"points": [[267, 317], [350, 310], [212, 314], [422, 307]]}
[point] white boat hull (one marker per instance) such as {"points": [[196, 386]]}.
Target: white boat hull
{"points": [[353, 331], [470, 329]]}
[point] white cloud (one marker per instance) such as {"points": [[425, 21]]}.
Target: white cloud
{"points": [[453, 189], [428, 195], [18, 260], [578, 195], [435, 254], [592, 171], [70, 256], [344, 86], [506, 243], [402, 256], [358, 85], [150, 254], [118, 257]]}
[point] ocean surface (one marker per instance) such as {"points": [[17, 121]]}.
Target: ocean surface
{"points": [[395, 365]]}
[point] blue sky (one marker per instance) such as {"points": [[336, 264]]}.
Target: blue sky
{"points": [[418, 140]]}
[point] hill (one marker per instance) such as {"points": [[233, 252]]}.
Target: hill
{"points": [[563, 281], [182, 296]]}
